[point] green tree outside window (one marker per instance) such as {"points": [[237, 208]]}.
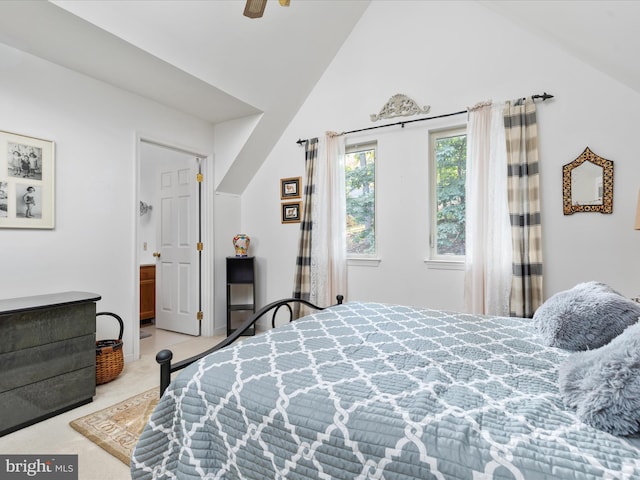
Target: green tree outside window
{"points": [[360, 201], [451, 166]]}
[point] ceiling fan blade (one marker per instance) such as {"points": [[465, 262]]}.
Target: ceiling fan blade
{"points": [[254, 8]]}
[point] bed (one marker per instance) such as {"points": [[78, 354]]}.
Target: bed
{"points": [[378, 391]]}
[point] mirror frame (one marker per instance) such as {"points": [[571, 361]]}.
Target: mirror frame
{"points": [[607, 184]]}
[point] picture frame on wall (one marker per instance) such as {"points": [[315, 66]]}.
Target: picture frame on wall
{"points": [[26, 181], [291, 212], [290, 188]]}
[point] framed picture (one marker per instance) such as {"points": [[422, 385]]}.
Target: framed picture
{"points": [[290, 188], [26, 181], [291, 212]]}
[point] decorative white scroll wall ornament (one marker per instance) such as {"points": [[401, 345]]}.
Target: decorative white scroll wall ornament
{"points": [[399, 106]]}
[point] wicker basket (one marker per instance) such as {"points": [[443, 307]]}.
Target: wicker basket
{"points": [[109, 355]]}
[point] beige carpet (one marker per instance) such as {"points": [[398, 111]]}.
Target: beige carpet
{"points": [[117, 428]]}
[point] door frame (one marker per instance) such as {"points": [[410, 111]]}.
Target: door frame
{"points": [[207, 237]]}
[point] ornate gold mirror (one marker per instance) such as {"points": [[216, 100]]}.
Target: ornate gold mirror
{"points": [[587, 184]]}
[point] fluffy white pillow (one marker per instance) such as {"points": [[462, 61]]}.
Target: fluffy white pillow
{"points": [[587, 316], [603, 385]]}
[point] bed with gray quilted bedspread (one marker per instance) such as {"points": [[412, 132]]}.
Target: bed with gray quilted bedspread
{"points": [[375, 391]]}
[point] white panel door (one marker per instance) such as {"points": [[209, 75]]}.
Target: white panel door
{"points": [[177, 267]]}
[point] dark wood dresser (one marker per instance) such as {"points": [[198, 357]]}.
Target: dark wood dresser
{"points": [[48, 356]]}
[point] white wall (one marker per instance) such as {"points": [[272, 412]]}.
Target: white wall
{"points": [[446, 54], [95, 129], [228, 218], [148, 194], [451, 55]]}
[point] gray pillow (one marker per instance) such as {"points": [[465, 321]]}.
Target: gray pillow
{"points": [[603, 385], [587, 316]]}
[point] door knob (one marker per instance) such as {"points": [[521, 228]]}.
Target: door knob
{"points": [[156, 254]]}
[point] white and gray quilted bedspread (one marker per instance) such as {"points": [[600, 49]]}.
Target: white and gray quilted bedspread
{"points": [[374, 391]]}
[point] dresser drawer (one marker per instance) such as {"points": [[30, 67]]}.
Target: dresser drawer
{"points": [[32, 365], [38, 327], [34, 402]]}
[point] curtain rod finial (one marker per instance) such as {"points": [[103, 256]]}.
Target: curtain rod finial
{"points": [[544, 96]]}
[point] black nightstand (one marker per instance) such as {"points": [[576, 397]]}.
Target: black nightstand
{"points": [[241, 292]]}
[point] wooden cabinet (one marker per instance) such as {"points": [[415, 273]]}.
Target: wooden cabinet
{"points": [[48, 356], [147, 292], [241, 292]]}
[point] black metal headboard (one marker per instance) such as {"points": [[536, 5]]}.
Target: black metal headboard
{"points": [[164, 357]]}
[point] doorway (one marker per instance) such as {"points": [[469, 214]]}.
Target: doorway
{"points": [[169, 235]]}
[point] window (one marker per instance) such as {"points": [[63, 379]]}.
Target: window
{"points": [[360, 182], [448, 172]]}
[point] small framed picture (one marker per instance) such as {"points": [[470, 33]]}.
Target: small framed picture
{"points": [[291, 212], [26, 182], [290, 188]]}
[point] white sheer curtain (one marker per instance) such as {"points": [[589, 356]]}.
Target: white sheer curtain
{"points": [[488, 231], [328, 248]]}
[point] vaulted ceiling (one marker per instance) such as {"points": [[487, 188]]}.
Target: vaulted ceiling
{"points": [[205, 58], [601, 33], [201, 57]]}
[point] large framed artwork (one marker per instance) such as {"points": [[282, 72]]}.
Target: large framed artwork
{"points": [[26, 181]]}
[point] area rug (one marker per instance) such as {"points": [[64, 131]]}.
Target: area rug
{"points": [[116, 429]]}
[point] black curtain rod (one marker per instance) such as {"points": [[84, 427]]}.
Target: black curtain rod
{"points": [[544, 96]]}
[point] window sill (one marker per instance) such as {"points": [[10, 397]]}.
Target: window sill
{"points": [[363, 262], [444, 264]]}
